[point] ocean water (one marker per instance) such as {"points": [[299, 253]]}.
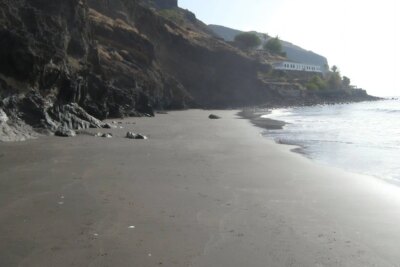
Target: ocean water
{"points": [[361, 137]]}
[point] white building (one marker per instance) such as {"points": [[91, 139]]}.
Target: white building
{"points": [[287, 65]]}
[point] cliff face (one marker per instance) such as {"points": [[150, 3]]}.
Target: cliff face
{"points": [[55, 54], [213, 73], [70, 63], [45, 52]]}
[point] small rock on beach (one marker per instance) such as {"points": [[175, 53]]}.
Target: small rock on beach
{"points": [[65, 132], [214, 117], [104, 135], [132, 135]]}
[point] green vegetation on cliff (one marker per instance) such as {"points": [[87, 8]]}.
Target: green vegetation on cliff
{"points": [[247, 40], [274, 45], [293, 52], [331, 80], [316, 83]]}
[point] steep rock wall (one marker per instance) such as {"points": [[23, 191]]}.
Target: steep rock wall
{"points": [[55, 53]]}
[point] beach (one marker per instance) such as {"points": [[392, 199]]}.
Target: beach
{"points": [[198, 193]]}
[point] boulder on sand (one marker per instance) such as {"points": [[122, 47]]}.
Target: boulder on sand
{"points": [[214, 117], [63, 131], [108, 126], [104, 135], [132, 135]]}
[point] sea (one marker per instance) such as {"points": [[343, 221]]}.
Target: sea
{"points": [[361, 137]]}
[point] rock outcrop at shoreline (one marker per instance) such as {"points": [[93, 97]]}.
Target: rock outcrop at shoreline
{"points": [[73, 63]]}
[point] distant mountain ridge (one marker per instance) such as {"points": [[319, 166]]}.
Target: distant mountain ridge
{"points": [[293, 52]]}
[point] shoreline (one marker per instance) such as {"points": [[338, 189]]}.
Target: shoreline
{"points": [[252, 113], [299, 147], [15, 130], [254, 116], [198, 193]]}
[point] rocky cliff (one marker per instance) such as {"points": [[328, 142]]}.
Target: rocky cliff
{"points": [[71, 63], [62, 62]]}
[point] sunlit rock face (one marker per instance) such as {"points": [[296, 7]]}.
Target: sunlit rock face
{"points": [[3, 117]]}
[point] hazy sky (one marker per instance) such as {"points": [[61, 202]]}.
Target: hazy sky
{"points": [[361, 37]]}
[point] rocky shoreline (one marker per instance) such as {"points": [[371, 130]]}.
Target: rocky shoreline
{"points": [[30, 116]]}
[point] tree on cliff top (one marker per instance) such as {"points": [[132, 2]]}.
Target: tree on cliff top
{"points": [[346, 81], [274, 45], [247, 40], [334, 80]]}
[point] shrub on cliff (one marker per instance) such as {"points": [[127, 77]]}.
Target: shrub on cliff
{"points": [[172, 14], [274, 45], [316, 83], [247, 40]]}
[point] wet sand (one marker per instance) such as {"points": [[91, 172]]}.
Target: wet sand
{"points": [[198, 193], [255, 118]]}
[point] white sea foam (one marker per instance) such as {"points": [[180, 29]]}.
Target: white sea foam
{"points": [[276, 113], [362, 137]]}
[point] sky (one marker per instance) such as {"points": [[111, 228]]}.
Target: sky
{"points": [[362, 38]]}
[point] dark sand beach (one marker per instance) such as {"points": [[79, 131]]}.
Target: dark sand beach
{"points": [[198, 193]]}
